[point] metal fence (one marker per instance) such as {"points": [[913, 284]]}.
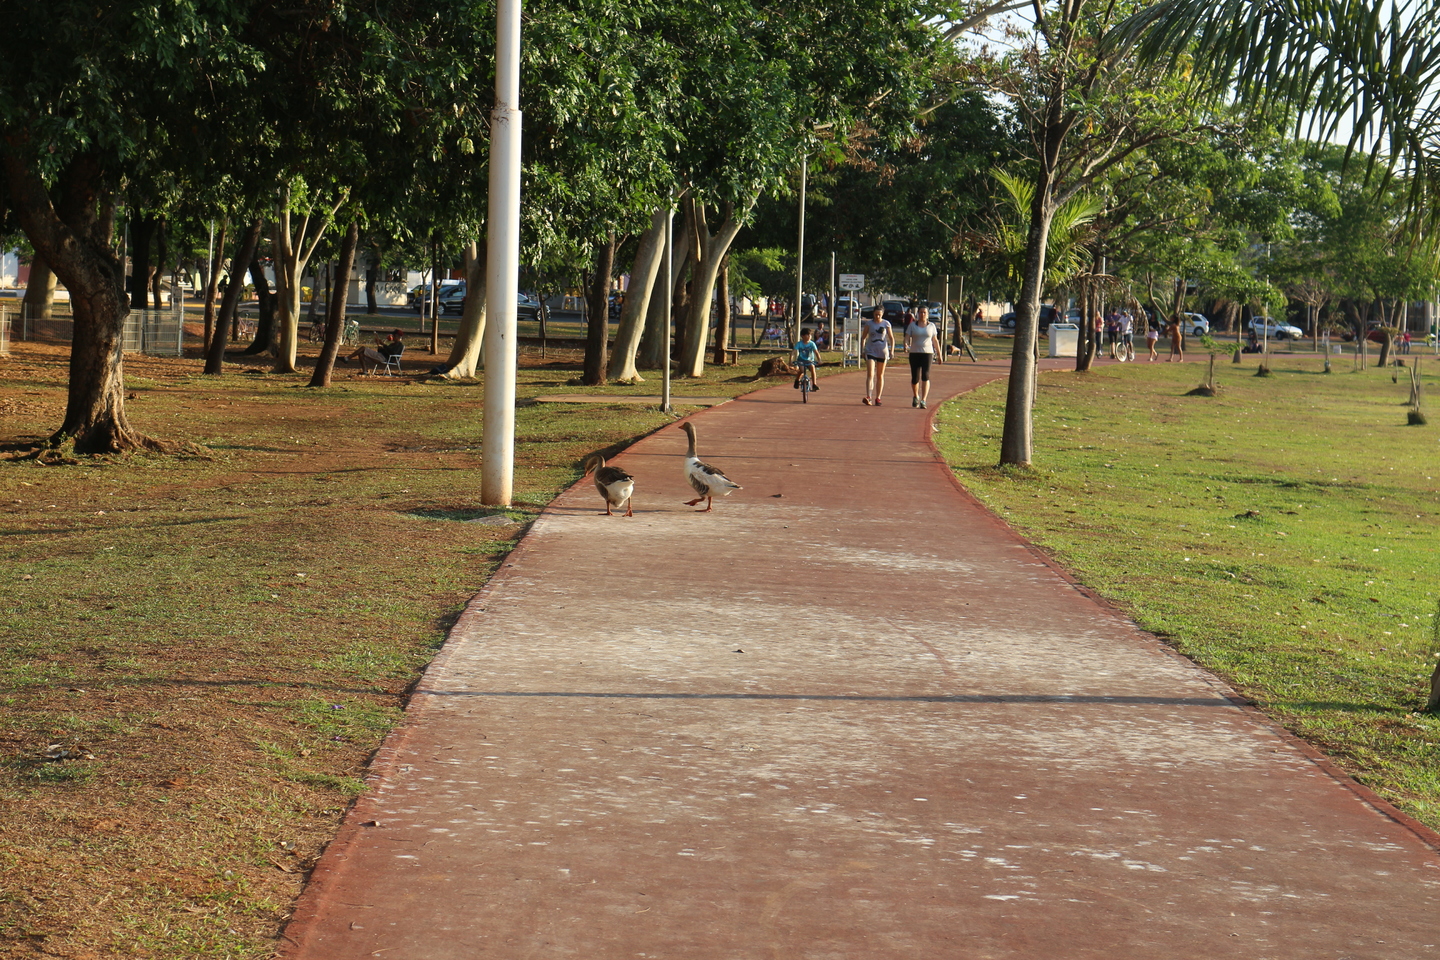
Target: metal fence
{"points": [[159, 333]]}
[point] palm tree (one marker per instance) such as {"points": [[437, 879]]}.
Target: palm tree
{"points": [[1065, 254], [1371, 66]]}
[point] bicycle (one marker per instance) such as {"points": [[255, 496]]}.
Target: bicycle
{"points": [[807, 382]]}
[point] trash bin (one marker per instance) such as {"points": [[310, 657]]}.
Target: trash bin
{"points": [[1064, 339]]}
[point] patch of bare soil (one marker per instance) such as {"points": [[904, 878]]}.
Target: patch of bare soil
{"points": [[199, 654]]}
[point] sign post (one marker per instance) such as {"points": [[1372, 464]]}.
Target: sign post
{"points": [[851, 283]]}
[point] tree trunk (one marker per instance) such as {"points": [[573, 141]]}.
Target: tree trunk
{"points": [[71, 226], [372, 274], [656, 341], [215, 351], [1017, 440], [464, 360], [212, 286], [335, 319], [722, 329], [649, 255], [141, 228], [162, 253], [292, 252], [39, 302], [710, 250], [266, 310], [597, 329]]}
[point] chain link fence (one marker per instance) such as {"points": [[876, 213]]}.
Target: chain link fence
{"points": [[159, 333]]}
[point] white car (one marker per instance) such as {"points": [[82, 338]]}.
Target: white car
{"points": [[1197, 325], [1274, 329]]}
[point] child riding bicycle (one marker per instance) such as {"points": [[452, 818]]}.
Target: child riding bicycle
{"points": [[807, 358]]}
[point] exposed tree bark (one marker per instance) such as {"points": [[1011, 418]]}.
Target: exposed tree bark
{"points": [[266, 310], [722, 329], [212, 285], [141, 229], [372, 274], [39, 302], [157, 272], [335, 318], [293, 251], [710, 250], [649, 255], [1018, 437], [464, 360], [71, 225], [597, 329], [215, 351], [656, 340]]}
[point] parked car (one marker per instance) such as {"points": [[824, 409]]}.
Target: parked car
{"points": [[1196, 325], [526, 306], [894, 311], [933, 307], [1048, 315], [1275, 329], [452, 298], [1372, 333], [844, 307]]}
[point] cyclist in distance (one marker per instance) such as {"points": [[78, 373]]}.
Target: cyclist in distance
{"points": [[807, 355]]}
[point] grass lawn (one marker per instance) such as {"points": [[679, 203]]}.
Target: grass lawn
{"points": [[219, 641], [1283, 534]]}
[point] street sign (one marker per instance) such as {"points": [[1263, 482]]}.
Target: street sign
{"points": [[851, 281]]}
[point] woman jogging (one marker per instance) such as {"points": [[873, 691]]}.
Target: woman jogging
{"points": [[879, 343], [922, 343]]}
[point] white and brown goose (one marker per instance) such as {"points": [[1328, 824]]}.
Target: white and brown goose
{"points": [[708, 482], [614, 484]]}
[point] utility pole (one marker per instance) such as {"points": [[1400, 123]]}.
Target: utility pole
{"points": [[800, 253], [502, 282], [669, 291]]}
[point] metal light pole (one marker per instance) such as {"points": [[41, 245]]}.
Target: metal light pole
{"points": [[834, 307], [497, 444], [669, 292], [800, 251]]}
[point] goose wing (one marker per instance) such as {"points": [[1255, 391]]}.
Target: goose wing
{"points": [[614, 484], [709, 481]]}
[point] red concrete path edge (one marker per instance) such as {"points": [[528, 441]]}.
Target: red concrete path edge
{"points": [[325, 878], [1316, 756]]}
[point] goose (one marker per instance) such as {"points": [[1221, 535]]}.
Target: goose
{"points": [[707, 481], [614, 484]]}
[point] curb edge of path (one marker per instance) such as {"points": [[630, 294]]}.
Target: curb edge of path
{"points": [[332, 863], [332, 860], [1369, 797]]}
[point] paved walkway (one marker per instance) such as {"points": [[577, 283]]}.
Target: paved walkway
{"points": [[848, 714]]}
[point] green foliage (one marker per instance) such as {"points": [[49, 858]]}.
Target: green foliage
{"points": [[1066, 255]]}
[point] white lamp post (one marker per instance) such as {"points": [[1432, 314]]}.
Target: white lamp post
{"points": [[497, 445]]}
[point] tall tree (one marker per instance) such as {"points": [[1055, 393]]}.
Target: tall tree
{"points": [[1087, 107]]}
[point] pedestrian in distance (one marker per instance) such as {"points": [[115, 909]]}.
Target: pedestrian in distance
{"points": [[1177, 341], [879, 340], [922, 344], [1127, 336], [1152, 336]]}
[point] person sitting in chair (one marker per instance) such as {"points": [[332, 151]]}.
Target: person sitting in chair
{"points": [[372, 357]]}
